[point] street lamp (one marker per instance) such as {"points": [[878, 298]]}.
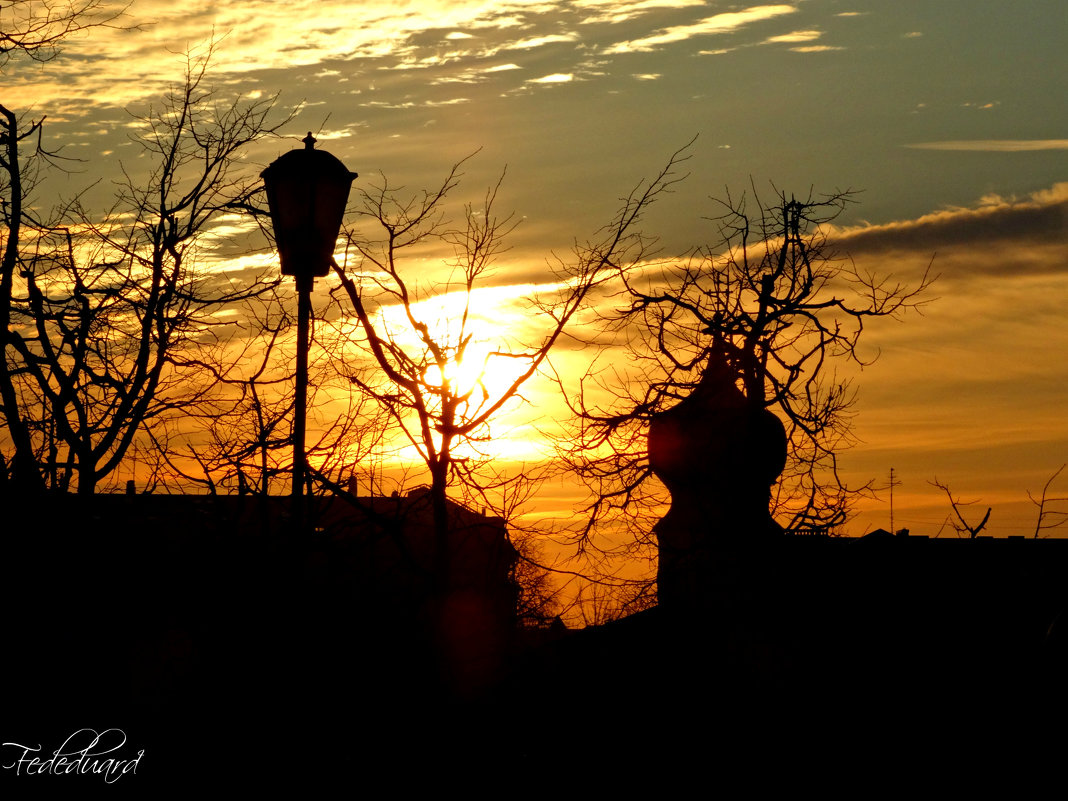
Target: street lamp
{"points": [[306, 192]]}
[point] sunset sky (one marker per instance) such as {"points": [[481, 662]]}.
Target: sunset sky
{"points": [[949, 117]]}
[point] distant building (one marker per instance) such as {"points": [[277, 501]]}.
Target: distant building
{"points": [[371, 571], [390, 543]]}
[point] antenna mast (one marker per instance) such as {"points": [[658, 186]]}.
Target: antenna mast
{"points": [[893, 483]]}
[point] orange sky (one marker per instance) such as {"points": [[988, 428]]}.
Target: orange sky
{"points": [[949, 116]]}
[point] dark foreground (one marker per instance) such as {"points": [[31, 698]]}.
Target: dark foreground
{"points": [[253, 663]]}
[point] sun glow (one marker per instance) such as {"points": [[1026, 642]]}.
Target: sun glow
{"points": [[469, 375], [470, 349], [484, 338]]}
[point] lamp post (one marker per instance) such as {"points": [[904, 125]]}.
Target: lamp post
{"points": [[306, 192]]}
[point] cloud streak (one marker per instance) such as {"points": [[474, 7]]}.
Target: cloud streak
{"points": [[616, 11], [1031, 230], [972, 391], [994, 145], [727, 22]]}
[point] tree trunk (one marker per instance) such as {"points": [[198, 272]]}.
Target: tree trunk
{"points": [[25, 473], [440, 508]]}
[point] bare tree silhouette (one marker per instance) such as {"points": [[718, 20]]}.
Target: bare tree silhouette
{"points": [[445, 416], [246, 429], [240, 439], [961, 526], [97, 310], [783, 306], [1049, 517], [37, 28], [33, 29]]}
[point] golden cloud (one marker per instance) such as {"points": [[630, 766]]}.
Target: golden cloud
{"points": [[720, 23], [994, 145]]}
